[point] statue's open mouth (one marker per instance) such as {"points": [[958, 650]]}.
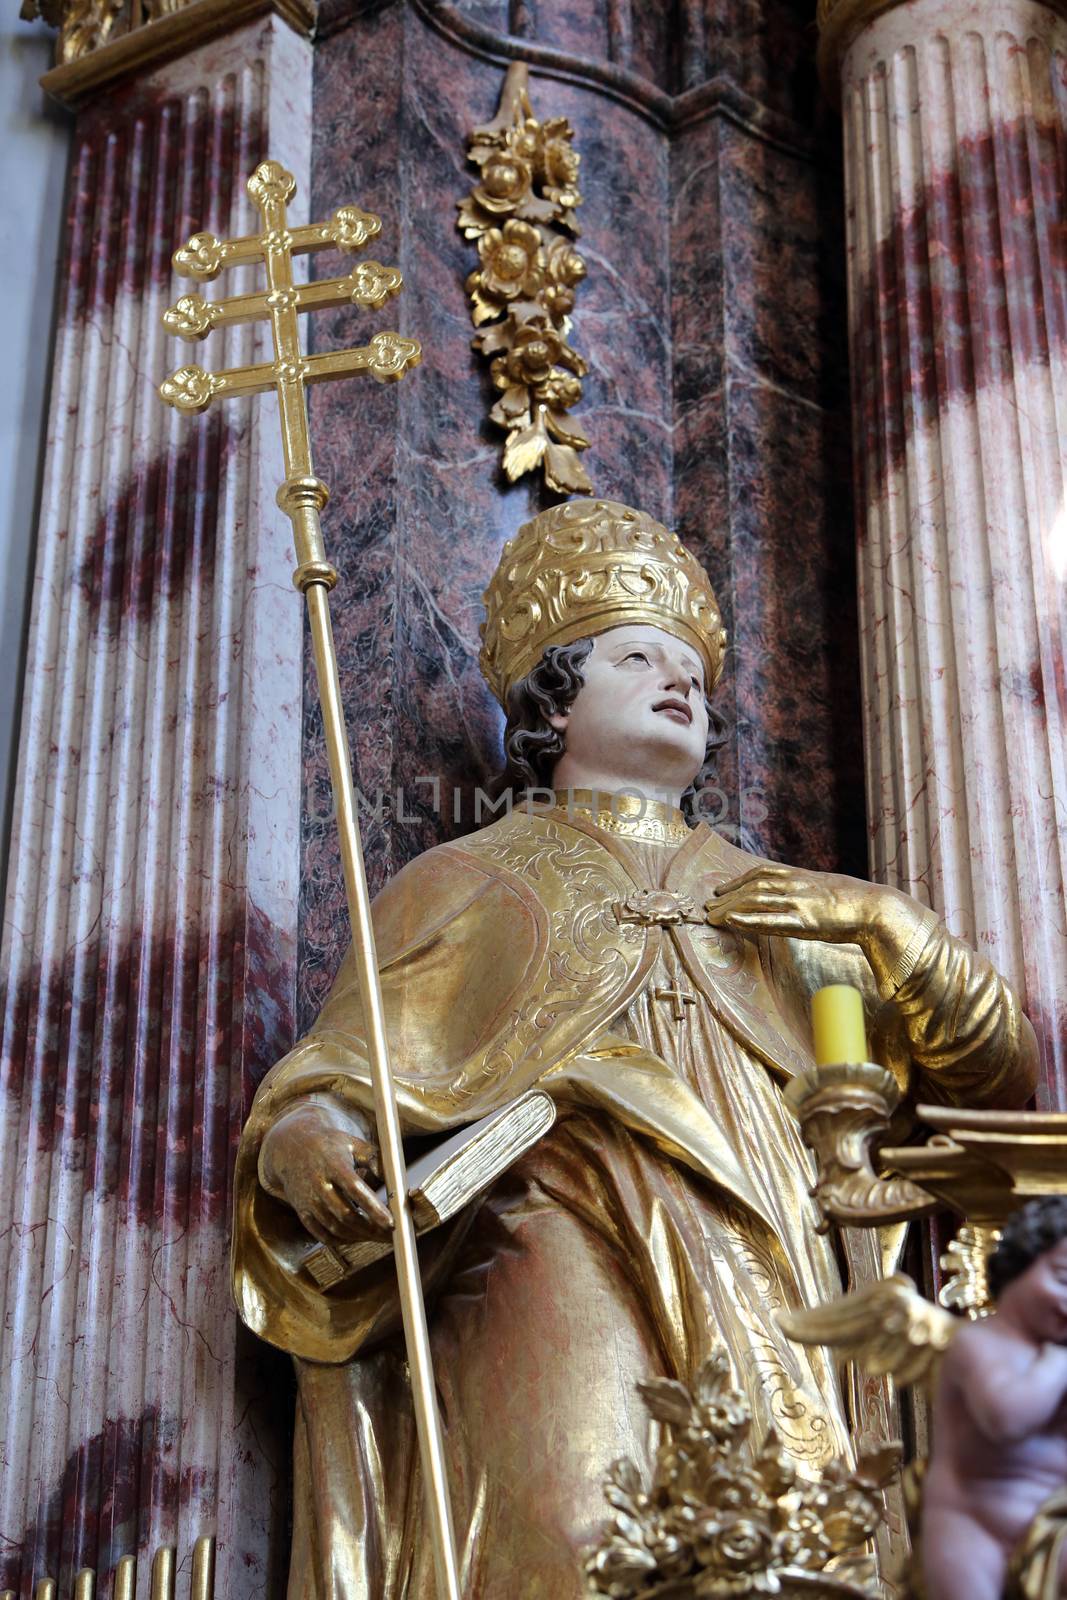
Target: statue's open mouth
{"points": [[676, 708]]}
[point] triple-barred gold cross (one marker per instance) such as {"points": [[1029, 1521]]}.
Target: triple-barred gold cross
{"points": [[302, 496], [387, 356]]}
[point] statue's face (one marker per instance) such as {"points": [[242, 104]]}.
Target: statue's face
{"points": [[640, 711]]}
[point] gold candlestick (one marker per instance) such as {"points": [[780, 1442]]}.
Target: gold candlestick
{"points": [[843, 1108], [302, 496]]}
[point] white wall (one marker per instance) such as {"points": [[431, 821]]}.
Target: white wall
{"points": [[34, 141]]}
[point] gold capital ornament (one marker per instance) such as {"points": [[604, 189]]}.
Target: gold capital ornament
{"points": [[302, 496]]}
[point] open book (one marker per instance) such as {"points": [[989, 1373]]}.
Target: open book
{"points": [[445, 1179]]}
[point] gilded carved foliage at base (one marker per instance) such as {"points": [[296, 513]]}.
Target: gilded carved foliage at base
{"points": [[521, 213], [84, 25], [727, 1515], [87, 25]]}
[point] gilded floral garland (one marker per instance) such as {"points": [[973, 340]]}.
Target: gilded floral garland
{"points": [[521, 212], [726, 1516]]}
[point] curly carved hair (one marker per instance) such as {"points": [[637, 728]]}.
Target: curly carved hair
{"points": [[532, 746], [1038, 1226]]}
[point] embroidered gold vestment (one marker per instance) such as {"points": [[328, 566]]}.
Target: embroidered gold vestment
{"points": [[668, 1208]]}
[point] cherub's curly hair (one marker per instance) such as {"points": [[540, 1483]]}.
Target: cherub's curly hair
{"points": [[532, 746], [1038, 1226]]}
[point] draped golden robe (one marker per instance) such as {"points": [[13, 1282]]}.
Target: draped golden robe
{"points": [[667, 1209]]}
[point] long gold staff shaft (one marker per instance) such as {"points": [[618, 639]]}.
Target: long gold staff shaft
{"points": [[305, 520], [302, 498]]}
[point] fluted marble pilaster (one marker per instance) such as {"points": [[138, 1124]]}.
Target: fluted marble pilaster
{"points": [[150, 932], [955, 119]]}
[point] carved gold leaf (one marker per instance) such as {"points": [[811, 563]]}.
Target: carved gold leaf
{"points": [[391, 355], [521, 215], [350, 228], [372, 284]]}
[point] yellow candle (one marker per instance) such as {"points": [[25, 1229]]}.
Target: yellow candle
{"points": [[837, 1019]]}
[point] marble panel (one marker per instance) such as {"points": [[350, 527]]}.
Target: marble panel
{"points": [[800, 775], [762, 478], [424, 457]]}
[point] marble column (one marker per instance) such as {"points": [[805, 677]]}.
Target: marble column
{"points": [[955, 127], [150, 931]]}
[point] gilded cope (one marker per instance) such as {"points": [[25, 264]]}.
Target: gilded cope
{"points": [[656, 982]]}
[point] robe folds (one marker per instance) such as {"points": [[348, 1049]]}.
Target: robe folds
{"points": [[667, 1210]]}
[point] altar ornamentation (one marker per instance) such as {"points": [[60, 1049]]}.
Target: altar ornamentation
{"points": [[99, 42], [842, 1110], [965, 1263], [83, 25], [726, 1515], [521, 212], [1001, 1172], [982, 1164]]}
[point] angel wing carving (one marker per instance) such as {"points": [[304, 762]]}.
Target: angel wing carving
{"points": [[887, 1328]]}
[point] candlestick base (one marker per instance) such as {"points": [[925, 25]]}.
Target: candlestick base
{"points": [[843, 1111]]}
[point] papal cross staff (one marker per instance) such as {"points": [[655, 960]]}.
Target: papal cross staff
{"points": [[302, 496]]}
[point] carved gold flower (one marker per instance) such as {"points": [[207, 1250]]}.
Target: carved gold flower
{"points": [[510, 261], [523, 139], [535, 351], [559, 164], [804, 1542], [564, 268], [850, 1520], [730, 1545], [728, 1515], [200, 258], [271, 184], [561, 390], [506, 181]]}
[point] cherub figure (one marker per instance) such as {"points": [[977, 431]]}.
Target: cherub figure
{"points": [[1000, 1414]]}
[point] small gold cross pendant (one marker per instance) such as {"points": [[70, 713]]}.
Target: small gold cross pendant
{"points": [[679, 1000]]}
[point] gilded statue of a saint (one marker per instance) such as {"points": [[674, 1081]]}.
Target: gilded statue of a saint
{"points": [[655, 981]]}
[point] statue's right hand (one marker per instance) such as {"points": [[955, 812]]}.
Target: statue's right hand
{"points": [[321, 1168]]}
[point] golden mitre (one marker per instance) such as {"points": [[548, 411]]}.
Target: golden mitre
{"points": [[585, 566]]}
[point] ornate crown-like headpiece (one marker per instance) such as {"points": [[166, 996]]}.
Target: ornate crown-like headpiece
{"points": [[586, 566]]}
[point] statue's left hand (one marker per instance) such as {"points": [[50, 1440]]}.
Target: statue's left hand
{"points": [[806, 905]]}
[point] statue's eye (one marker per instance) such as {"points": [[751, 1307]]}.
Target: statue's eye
{"points": [[636, 655]]}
